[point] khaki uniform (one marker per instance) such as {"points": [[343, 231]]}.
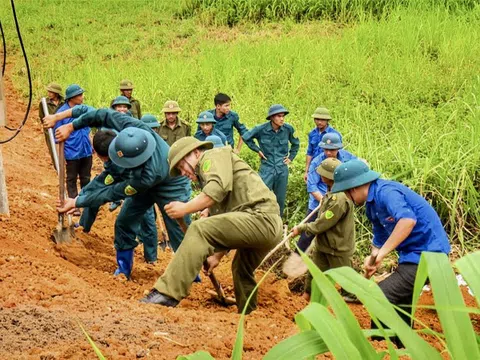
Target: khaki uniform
{"points": [[52, 109], [135, 109], [335, 233], [246, 218], [181, 129]]}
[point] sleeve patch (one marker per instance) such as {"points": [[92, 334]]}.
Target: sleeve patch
{"points": [[206, 165], [329, 214], [109, 180], [130, 190]]}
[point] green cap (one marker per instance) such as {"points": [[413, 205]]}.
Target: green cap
{"points": [[121, 100], [150, 120], [131, 147], [321, 113], [331, 141], [206, 117], [72, 91], [327, 167], [183, 147], [171, 106], [352, 174], [126, 85], [55, 88]]}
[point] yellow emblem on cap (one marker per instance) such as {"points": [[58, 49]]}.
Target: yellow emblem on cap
{"points": [[119, 153], [206, 165], [329, 214], [109, 180], [170, 106], [130, 190]]}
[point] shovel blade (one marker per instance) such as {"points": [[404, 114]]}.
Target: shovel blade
{"points": [[63, 234]]}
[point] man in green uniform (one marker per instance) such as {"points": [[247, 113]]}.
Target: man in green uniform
{"points": [[126, 89], [173, 127], [334, 227], [273, 138], [245, 218], [54, 101]]}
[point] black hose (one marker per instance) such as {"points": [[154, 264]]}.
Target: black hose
{"points": [[17, 130], [4, 50]]}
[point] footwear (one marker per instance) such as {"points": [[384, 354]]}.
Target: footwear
{"points": [[156, 297], [114, 205], [197, 279], [125, 263]]}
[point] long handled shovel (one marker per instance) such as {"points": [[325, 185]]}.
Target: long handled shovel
{"points": [[51, 138], [219, 294], [62, 233]]}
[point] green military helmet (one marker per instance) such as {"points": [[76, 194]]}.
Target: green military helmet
{"points": [[217, 142], [171, 106], [331, 141], [276, 109], [131, 147], [181, 148], [352, 174], [150, 120], [121, 100], [322, 114], [55, 88], [327, 167], [126, 85], [72, 91], [206, 117]]}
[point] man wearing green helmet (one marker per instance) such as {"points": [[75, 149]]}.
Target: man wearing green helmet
{"points": [[206, 121], [402, 220], [173, 127], [273, 138], [126, 89], [144, 154], [244, 216], [54, 101], [121, 104]]}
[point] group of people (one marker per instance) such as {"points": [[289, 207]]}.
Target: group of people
{"points": [[148, 162]]}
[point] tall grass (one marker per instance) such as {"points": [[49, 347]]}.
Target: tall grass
{"points": [[232, 12], [404, 90]]}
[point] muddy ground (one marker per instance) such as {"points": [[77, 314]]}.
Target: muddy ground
{"points": [[46, 290]]}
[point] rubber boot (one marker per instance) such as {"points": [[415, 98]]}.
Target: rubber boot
{"points": [[124, 262]]}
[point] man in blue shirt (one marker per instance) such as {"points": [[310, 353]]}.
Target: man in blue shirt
{"points": [[78, 148], [273, 138], [207, 124], [402, 221], [227, 119], [321, 117], [332, 148]]}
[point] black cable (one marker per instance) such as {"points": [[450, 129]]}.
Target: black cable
{"points": [[4, 50], [17, 131]]}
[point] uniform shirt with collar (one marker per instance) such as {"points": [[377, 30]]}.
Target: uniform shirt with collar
{"points": [[314, 180], [78, 144], [181, 129], [273, 144], [314, 138], [226, 123], [387, 203], [200, 135]]}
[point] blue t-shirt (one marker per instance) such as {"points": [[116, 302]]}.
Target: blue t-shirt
{"points": [[78, 145], [387, 203], [314, 180]]}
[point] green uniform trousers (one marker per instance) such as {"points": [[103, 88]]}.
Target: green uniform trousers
{"points": [[276, 180], [252, 233], [326, 262]]}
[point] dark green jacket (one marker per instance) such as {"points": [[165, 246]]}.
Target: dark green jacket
{"points": [[52, 108], [181, 129]]}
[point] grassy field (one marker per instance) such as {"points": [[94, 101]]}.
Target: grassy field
{"points": [[403, 85]]}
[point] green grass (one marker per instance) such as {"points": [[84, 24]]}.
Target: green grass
{"points": [[403, 89]]}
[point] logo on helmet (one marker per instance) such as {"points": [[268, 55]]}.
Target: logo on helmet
{"points": [[119, 153]]}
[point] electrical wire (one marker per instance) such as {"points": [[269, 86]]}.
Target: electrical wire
{"points": [[4, 50], [17, 130]]}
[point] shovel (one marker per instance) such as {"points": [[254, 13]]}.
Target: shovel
{"points": [[51, 138], [219, 294], [63, 232]]}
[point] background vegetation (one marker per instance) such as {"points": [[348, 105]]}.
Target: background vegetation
{"points": [[401, 78]]}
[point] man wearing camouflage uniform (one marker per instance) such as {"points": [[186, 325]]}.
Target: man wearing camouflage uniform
{"points": [[173, 127], [245, 216]]}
